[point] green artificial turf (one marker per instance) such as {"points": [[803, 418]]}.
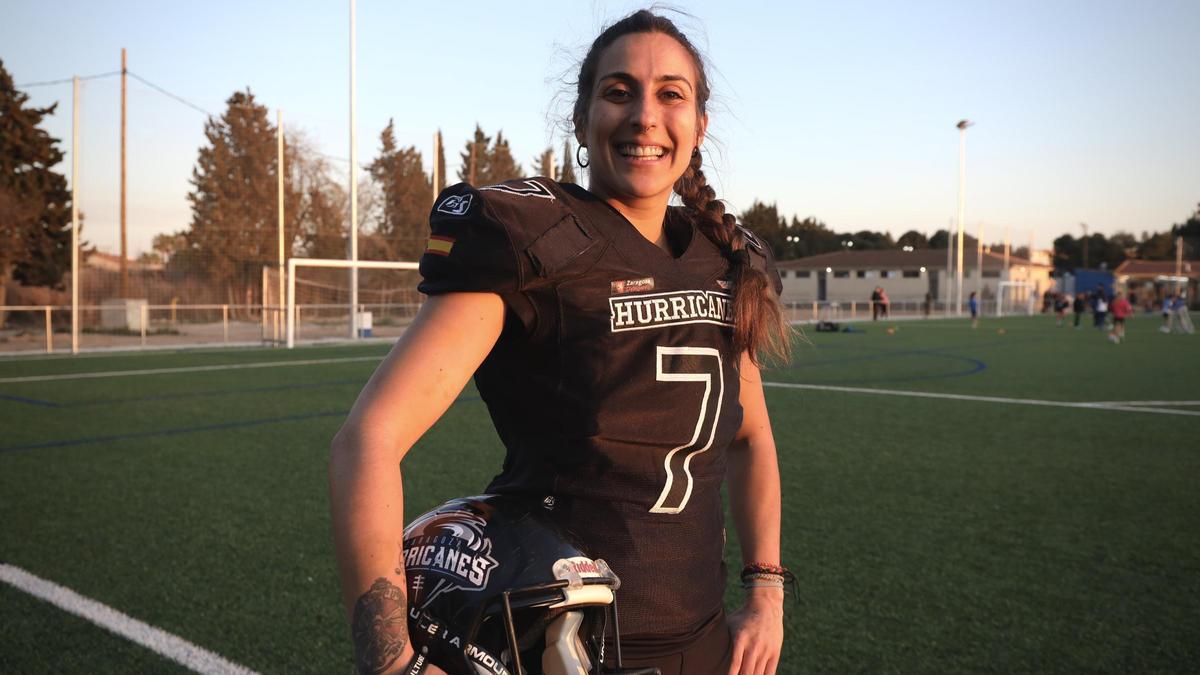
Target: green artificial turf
{"points": [[928, 535]]}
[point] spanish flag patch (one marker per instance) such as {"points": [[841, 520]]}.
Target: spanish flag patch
{"points": [[439, 245]]}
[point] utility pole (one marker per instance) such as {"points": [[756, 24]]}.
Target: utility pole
{"points": [[124, 252], [1085, 245]]}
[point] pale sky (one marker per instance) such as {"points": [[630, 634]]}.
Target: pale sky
{"points": [[1085, 111]]}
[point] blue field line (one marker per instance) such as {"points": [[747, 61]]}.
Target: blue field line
{"points": [[30, 401], [977, 367], [212, 392], [220, 426]]}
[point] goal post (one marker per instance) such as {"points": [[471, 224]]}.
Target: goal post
{"points": [[1018, 293], [294, 264]]}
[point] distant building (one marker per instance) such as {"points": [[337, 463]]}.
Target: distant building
{"points": [[906, 276], [112, 263], [1151, 280]]}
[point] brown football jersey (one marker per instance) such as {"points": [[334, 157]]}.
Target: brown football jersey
{"points": [[613, 385]]}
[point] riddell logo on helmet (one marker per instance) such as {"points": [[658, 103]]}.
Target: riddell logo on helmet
{"points": [[581, 566]]}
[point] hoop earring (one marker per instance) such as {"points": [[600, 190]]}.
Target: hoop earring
{"points": [[583, 163]]}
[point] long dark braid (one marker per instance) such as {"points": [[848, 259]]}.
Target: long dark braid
{"points": [[759, 328]]}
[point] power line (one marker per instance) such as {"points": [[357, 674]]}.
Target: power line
{"points": [[164, 92], [160, 90], [67, 80]]}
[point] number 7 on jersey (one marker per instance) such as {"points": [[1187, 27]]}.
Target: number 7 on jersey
{"points": [[689, 364]]}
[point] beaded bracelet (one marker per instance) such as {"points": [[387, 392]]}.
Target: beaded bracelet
{"points": [[764, 568]]}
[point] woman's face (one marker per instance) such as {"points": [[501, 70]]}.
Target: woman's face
{"points": [[643, 121]]}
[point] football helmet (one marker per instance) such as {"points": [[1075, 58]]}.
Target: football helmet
{"points": [[495, 587]]}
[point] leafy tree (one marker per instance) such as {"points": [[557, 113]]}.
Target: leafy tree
{"points": [[940, 239], [404, 195], [234, 228], [914, 239], [811, 237], [501, 165], [867, 240], [766, 223], [35, 204], [1102, 252], [1190, 231], [568, 163], [492, 160], [1159, 246]]}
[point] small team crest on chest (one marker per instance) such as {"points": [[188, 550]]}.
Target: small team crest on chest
{"points": [[455, 205], [633, 286], [724, 284]]}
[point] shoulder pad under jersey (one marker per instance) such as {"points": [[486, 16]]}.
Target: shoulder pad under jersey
{"points": [[501, 238], [762, 258]]}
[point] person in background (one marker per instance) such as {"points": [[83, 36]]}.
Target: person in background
{"points": [[1121, 309], [973, 305], [884, 302], [1167, 307], [1078, 307], [876, 303], [1099, 307], [1061, 303]]}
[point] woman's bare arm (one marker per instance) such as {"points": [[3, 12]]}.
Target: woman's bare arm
{"points": [[411, 389]]}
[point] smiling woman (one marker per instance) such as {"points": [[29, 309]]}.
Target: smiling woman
{"points": [[616, 342]]}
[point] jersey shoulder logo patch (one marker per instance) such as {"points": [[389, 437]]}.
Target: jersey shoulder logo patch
{"points": [[751, 239], [525, 188], [455, 205]]}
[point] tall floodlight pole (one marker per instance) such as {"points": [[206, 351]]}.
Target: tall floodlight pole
{"points": [[124, 251], [278, 322], [353, 189], [962, 205], [949, 293], [979, 265], [1178, 262], [75, 215]]}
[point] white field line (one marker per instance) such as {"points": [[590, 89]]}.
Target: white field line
{"points": [[185, 369], [1091, 405], [166, 644], [1166, 403]]}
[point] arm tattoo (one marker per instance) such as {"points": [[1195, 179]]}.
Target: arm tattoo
{"points": [[380, 627]]}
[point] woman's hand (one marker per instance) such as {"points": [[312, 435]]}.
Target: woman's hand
{"points": [[757, 632]]}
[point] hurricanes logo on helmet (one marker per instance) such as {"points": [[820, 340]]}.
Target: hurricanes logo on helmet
{"points": [[453, 556]]}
